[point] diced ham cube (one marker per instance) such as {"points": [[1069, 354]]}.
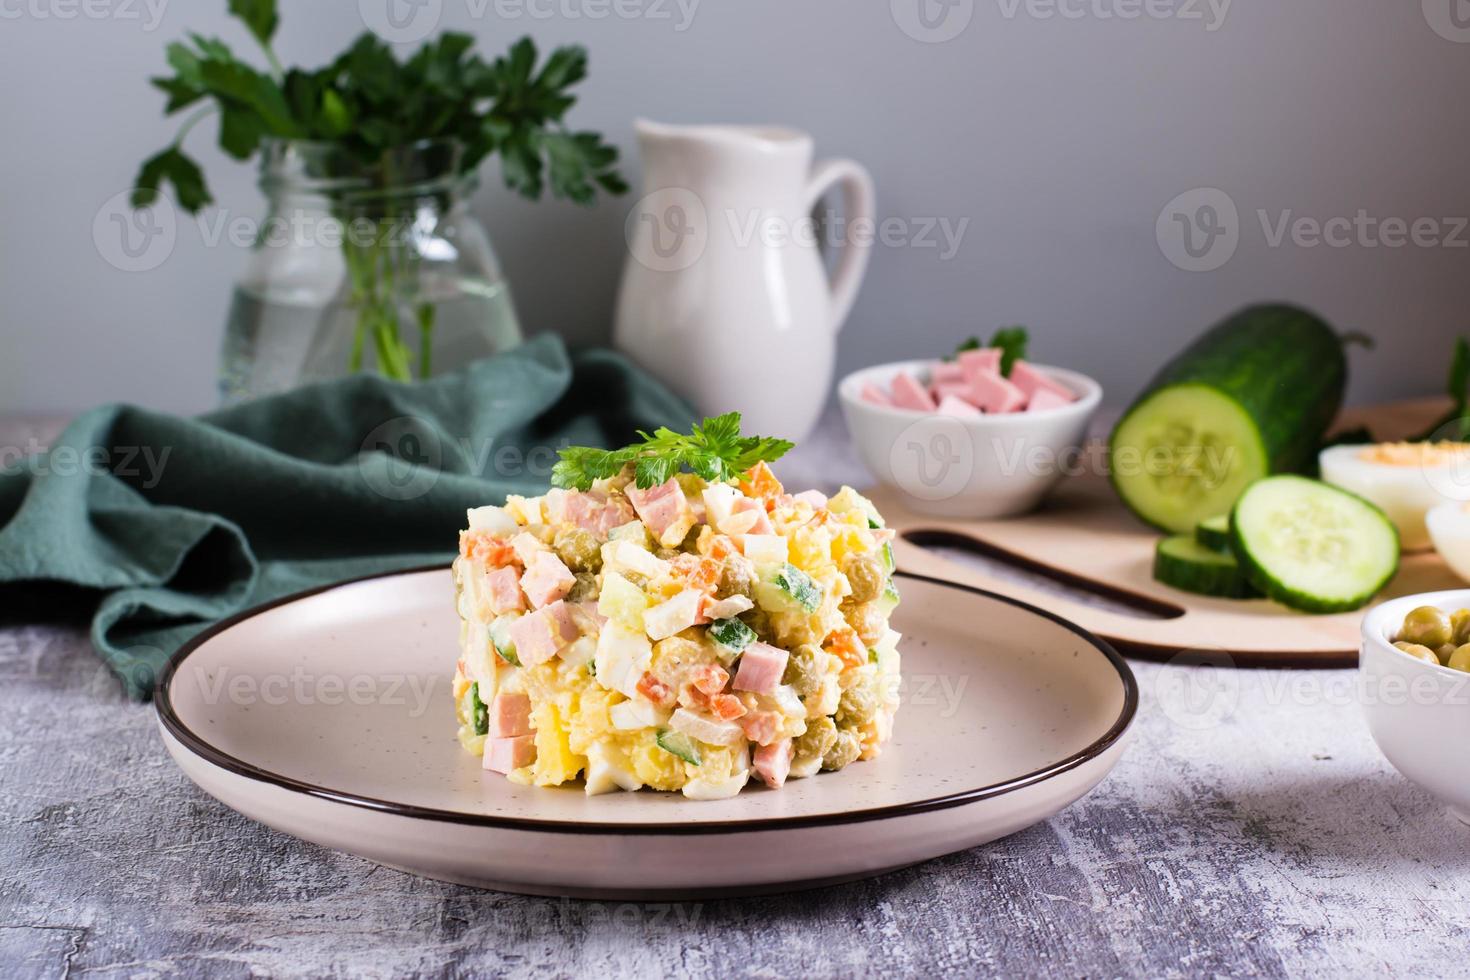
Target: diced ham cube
{"points": [[908, 393], [505, 754], [951, 389], [546, 579], [947, 371], [1031, 381], [510, 715], [773, 762], [875, 395], [503, 591], [996, 395], [761, 727], [539, 635], [816, 498], [957, 407], [761, 667], [986, 360], [872, 394], [1043, 400], [678, 613], [594, 512], [664, 509], [750, 505]]}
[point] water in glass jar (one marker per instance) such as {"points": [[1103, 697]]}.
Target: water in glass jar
{"points": [[273, 344]]}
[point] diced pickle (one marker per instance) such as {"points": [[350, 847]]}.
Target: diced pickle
{"points": [[736, 578], [579, 550]]}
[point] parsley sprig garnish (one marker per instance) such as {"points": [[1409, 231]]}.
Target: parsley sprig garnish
{"points": [[714, 450]]}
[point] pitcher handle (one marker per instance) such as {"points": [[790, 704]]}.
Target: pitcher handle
{"points": [[861, 205]]}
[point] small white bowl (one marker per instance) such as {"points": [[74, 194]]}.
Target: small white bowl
{"points": [[1418, 712], [975, 467]]}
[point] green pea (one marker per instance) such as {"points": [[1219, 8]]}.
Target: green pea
{"points": [[1418, 652], [1460, 659], [1460, 626], [1426, 626]]}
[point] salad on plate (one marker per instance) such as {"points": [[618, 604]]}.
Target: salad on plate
{"points": [[668, 616]]}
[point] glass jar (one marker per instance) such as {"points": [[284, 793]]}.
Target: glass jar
{"points": [[362, 267]]}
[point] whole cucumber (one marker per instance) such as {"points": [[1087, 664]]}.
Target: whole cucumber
{"points": [[1251, 397]]}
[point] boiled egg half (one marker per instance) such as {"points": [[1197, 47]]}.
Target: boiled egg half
{"points": [[1404, 479]]}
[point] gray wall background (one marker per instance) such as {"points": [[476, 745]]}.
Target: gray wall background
{"points": [[1059, 128]]}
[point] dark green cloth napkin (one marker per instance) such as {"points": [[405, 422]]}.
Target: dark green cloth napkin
{"points": [[171, 524]]}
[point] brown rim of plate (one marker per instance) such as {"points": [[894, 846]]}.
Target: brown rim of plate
{"points": [[197, 745]]}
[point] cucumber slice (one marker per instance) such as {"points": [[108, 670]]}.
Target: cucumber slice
{"points": [[476, 712], [1312, 546], [1214, 532], [679, 744], [799, 587], [732, 634], [1182, 562], [1185, 454]]}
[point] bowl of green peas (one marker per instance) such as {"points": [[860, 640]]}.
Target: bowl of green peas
{"points": [[1415, 690]]}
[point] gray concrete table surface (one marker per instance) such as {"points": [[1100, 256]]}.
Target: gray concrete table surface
{"points": [[1251, 829]]}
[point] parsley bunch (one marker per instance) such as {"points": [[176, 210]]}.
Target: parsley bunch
{"points": [[369, 102], [714, 450]]}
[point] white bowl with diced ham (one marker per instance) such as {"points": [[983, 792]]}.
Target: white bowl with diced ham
{"points": [[959, 439]]}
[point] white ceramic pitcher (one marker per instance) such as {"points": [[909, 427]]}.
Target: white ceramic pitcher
{"points": [[724, 296]]}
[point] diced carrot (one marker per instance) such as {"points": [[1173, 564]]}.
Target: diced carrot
{"points": [[759, 481], [847, 647], [699, 574], [709, 679], [726, 707], [479, 546], [719, 547], [654, 689]]}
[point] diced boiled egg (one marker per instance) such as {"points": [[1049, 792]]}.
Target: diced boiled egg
{"points": [[704, 729], [605, 772], [622, 657], [627, 556], [678, 613], [717, 789], [496, 520], [1403, 479], [636, 714]]}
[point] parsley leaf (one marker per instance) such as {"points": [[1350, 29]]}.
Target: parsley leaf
{"points": [[713, 449]]}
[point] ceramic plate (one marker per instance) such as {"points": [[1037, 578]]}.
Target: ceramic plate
{"points": [[329, 716]]}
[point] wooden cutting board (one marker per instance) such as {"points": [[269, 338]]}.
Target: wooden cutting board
{"points": [[1084, 538]]}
